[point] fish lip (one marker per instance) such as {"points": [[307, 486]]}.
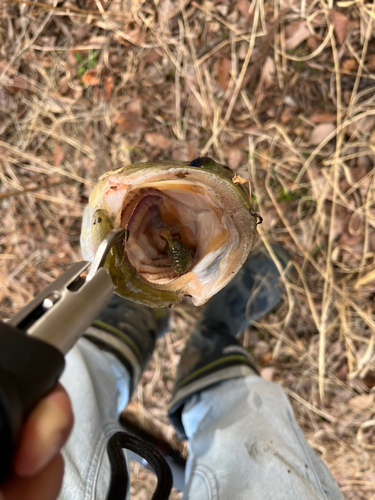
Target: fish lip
{"points": [[164, 168]]}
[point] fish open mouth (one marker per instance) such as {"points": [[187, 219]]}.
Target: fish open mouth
{"points": [[189, 229], [189, 213]]}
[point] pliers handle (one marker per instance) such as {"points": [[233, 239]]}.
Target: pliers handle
{"points": [[33, 343]]}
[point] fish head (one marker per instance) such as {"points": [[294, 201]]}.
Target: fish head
{"points": [[202, 204]]}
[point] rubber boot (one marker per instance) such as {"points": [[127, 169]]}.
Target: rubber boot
{"points": [[129, 331], [212, 353]]}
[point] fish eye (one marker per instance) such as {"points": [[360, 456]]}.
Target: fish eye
{"points": [[207, 163], [197, 162]]}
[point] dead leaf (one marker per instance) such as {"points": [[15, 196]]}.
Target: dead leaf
{"points": [[268, 72], [181, 154], [342, 372], [340, 25], [297, 35], [71, 61], [10, 70], [89, 133], [47, 62], [186, 153], [365, 162], [6, 100], [151, 56], [63, 87], [323, 118], [313, 42], [223, 69], [355, 243], [151, 76], [58, 155], [267, 373], [87, 163], [127, 122], [90, 78], [20, 83], [158, 141], [135, 107], [361, 128], [136, 36], [286, 115], [372, 240], [321, 132], [130, 119], [360, 403], [108, 88], [243, 6], [358, 173], [266, 359], [80, 33], [319, 21], [369, 379], [235, 158], [349, 65], [371, 62]]}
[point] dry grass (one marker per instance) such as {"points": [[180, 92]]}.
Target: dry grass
{"points": [[86, 86]]}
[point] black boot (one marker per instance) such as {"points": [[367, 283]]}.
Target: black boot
{"points": [[212, 353], [129, 331]]}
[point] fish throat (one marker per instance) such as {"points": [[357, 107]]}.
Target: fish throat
{"points": [[171, 226]]}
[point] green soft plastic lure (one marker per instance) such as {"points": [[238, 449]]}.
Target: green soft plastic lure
{"points": [[177, 252]]}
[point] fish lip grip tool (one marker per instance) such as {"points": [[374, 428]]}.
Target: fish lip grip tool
{"points": [[33, 343]]}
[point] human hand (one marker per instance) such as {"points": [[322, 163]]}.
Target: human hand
{"points": [[38, 466]]}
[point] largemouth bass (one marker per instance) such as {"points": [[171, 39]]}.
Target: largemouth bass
{"points": [[190, 227]]}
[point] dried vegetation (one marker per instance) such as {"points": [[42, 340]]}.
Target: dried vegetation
{"points": [[284, 93]]}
